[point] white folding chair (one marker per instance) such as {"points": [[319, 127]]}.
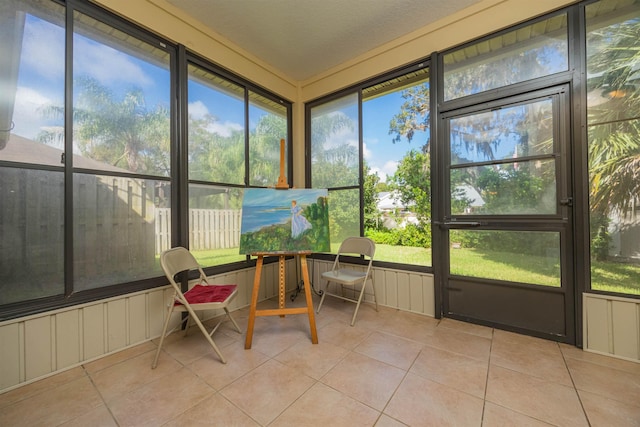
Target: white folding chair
{"points": [[200, 296], [339, 275]]}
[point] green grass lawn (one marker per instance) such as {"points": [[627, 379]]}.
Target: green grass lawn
{"points": [[606, 276]]}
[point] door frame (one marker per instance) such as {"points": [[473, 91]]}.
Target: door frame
{"points": [[562, 221]]}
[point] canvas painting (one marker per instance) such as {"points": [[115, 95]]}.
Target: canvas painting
{"points": [[284, 221]]}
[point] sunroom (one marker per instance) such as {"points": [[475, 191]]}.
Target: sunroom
{"points": [[505, 133]]}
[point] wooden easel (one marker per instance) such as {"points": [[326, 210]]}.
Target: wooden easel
{"points": [[281, 310]]}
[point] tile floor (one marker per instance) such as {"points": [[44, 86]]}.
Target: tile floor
{"points": [[391, 369]]}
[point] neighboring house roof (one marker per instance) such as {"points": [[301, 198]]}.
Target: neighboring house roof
{"points": [[471, 194], [24, 150], [389, 200]]}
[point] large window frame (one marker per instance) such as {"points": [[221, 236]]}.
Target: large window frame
{"points": [[400, 77], [173, 185]]}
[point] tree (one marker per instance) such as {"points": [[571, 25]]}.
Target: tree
{"points": [[120, 132], [412, 181], [414, 115], [614, 131], [335, 166], [372, 216]]}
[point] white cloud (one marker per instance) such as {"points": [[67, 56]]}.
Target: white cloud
{"points": [[197, 110], [386, 171], [27, 117], [106, 64], [43, 52], [43, 49], [366, 153], [224, 129]]}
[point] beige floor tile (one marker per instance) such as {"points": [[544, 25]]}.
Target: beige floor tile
{"points": [[365, 379], [186, 349], [161, 400], [468, 328], [498, 416], [313, 360], [41, 386], [411, 326], [368, 317], [323, 406], [387, 421], [390, 349], [267, 390], [273, 334], [59, 404], [130, 374], [213, 411], [547, 363], [336, 310], [571, 352], [121, 356], [462, 343], [607, 412], [538, 398], [612, 383], [524, 341], [97, 417], [239, 362], [421, 402], [452, 369], [343, 335]]}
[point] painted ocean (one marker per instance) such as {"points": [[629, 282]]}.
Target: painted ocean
{"points": [[263, 208]]}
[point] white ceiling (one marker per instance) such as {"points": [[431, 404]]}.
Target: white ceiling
{"points": [[303, 38]]}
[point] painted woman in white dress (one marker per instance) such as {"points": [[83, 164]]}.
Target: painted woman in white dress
{"points": [[299, 223]]}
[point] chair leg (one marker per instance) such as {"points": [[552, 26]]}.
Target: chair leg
{"points": [[324, 294], [355, 313], [164, 332], [232, 320], [186, 327], [375, 298], [206, 334]]}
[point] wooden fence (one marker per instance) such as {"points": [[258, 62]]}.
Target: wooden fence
{"points": [[208, 229]]}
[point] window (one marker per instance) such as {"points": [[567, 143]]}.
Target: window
{"points": [[216, 166], [503, 161], [613, 117], [219, 162], [335, 163], [397, 158], [529, 52], [32, 182], [267, 126], [121, 125], [391, 203], [87, 174]]}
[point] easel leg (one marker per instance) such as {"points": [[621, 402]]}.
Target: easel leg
{"points": [[307, 294], [254, 303], [281, 282]]}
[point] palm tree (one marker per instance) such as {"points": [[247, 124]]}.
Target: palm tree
{"points": [[122, 133]]}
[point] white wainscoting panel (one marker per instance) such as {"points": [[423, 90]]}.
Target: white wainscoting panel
{"points": [[611, 325], [404, 290]]}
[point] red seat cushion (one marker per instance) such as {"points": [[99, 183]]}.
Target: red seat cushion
{"points": [[200, 294]]}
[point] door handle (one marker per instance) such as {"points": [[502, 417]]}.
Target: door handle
{"points": [[567, 202]]}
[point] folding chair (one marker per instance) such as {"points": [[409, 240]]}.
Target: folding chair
{"points": [[348, 277], [201, 296]]}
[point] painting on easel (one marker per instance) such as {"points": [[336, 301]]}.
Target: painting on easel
{"points": [[284, 221]]}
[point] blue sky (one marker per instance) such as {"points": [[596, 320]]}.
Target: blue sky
{"points": [[41, 82]]}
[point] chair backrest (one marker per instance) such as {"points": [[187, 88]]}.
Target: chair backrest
{"points": [[177, 260], [356, 245]]}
